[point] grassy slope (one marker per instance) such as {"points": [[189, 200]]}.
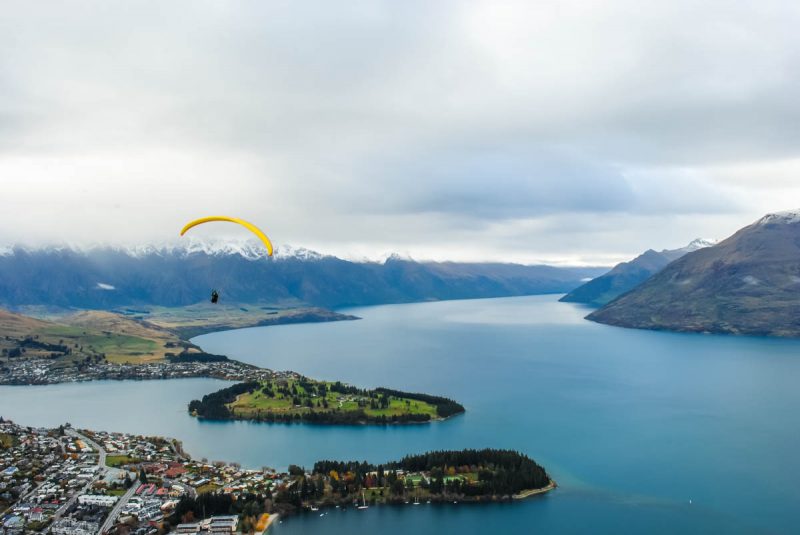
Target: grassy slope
{"points": [[248, 405], [141, 335], [87, 334]]}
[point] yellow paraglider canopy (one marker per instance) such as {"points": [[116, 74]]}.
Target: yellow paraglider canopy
{"points": [[249, 226]]}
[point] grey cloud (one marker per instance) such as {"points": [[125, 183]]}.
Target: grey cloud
{"points": [[438, 123]]}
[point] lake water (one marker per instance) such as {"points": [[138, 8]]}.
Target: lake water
{"points": [[645, 432]]}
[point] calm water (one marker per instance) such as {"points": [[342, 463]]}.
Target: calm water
{"points": [[632, 424]]}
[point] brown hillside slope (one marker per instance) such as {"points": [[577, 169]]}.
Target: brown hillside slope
{"points": [[746, 284]]}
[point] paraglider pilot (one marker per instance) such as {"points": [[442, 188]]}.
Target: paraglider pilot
{"points": [[214, 296]]}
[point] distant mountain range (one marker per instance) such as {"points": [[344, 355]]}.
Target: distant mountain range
{"points": [[106, 277], [628, 275], [746, 284]]}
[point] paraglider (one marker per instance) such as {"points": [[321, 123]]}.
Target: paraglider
{"points": [[249, 226]]}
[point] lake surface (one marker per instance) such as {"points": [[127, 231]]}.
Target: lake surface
{"points": [[645, 432]]}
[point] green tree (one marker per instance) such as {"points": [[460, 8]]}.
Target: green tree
{"points": [[397, 487]]}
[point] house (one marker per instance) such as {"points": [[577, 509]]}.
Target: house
{"points": [[223, 524]]}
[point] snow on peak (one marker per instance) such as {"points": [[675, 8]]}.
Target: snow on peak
{"points": [[283, 252], [700, 243], [251, 249], [396, 257], [786, 217], [694, 245]]}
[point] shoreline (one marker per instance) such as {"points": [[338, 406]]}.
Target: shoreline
{"points": [[272, 518], [187, 333], [439, 500], [327, 424], [535, 492]]}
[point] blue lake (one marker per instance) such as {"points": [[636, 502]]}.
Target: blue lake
{"points": [[644, 431]]}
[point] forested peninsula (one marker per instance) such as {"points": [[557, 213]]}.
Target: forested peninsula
{"points": [[299, 399], [463, 476]]}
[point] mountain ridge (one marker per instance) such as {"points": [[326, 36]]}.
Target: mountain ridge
{"points": [[104, 277], [625, 276], [748, 283]]}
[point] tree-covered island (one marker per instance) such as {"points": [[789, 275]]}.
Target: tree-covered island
{"points": [[487, 475], [299, 399]]}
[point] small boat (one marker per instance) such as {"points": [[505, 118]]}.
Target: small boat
{"points": [[314, 508], [363, 501]]}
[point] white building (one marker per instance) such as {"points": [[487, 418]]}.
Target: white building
{"points": [[97, 499]]}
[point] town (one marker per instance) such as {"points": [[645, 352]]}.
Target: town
{"points": [[41, 371], [65, 481], [83, 482]]}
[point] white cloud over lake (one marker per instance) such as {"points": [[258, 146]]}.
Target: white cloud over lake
{"points": [[567, 132]]}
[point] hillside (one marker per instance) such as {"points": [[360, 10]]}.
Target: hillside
{"points": [[626, 276], [746, 284], [109, 278], [90, 336]]}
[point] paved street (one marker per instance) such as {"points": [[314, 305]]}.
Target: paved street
{"points": [[112, 515], [101, 461]]}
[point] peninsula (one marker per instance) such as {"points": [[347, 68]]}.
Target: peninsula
{"points": [[300, 399]]}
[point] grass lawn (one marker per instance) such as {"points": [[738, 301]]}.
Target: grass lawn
{"points": [[116, 492], [248, 405], [115, 461], [7, 441], [118, 348], [208, 487]]}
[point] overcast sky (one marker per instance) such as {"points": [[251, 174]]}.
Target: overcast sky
{"points": [[564, 132]]}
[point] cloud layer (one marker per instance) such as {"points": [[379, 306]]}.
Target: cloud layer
{"points": [[556, 131]]}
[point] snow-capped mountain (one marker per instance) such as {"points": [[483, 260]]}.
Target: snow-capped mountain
{"points": [[697, 243], [250, 249], [787, 217], [184, 272]]}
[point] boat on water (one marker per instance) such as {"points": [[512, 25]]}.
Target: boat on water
{"points": [[363, 501]]}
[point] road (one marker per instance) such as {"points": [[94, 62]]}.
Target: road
{"points": [[101, 461], [101, 452], [112, 515]]}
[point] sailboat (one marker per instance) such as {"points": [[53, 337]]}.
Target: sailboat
{"points": [[363, 501], [416, 496]]}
